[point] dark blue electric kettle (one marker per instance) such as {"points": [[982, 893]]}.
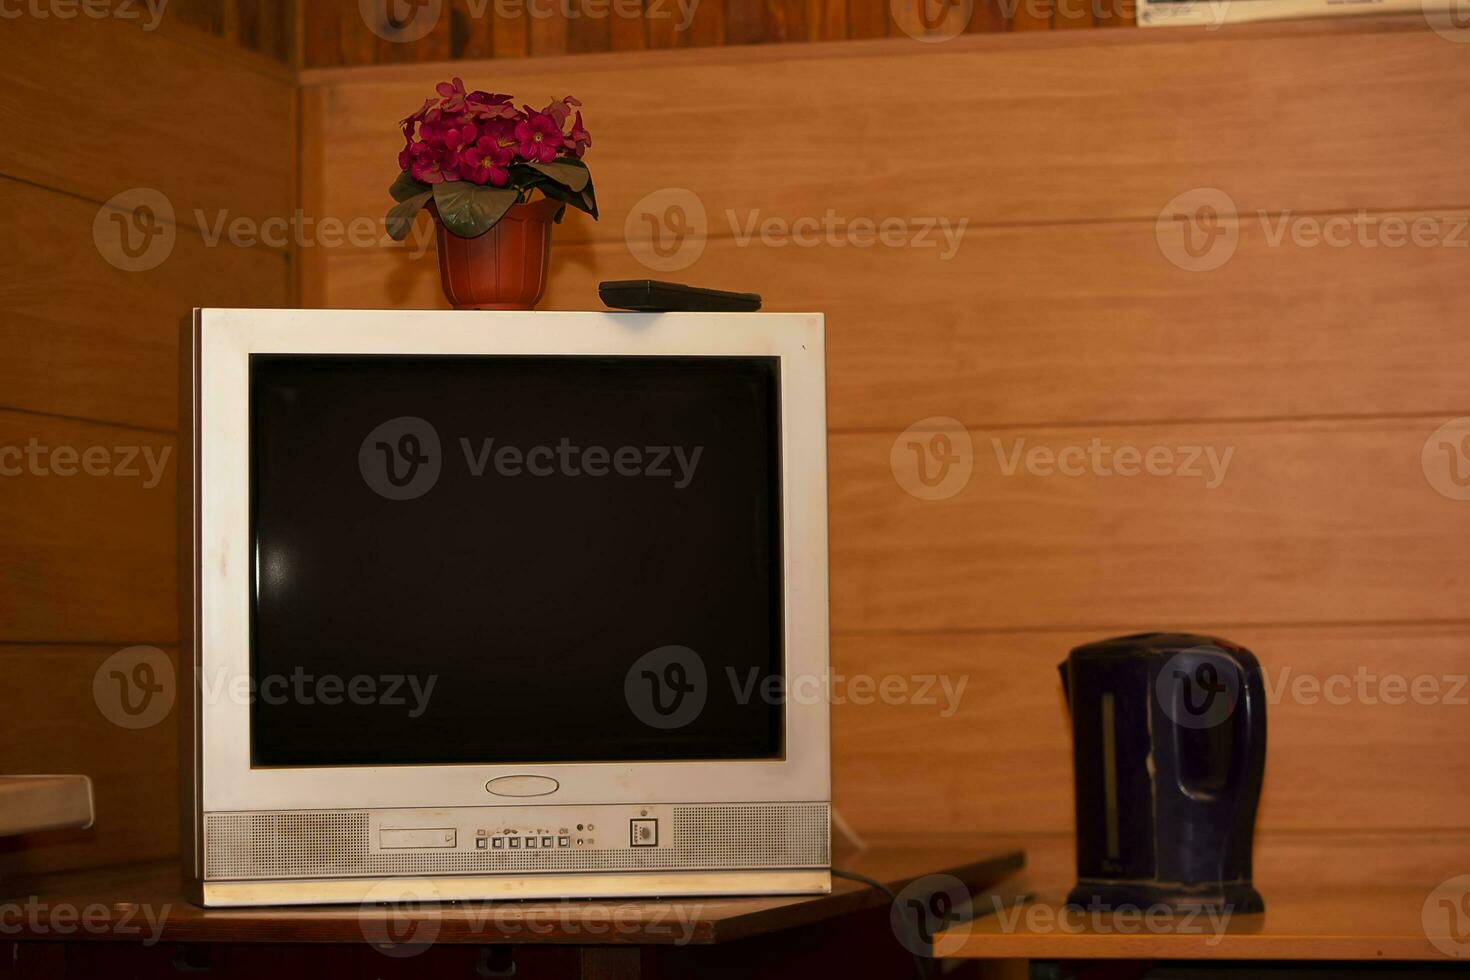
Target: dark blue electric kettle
{"points": [[1169, 747]]}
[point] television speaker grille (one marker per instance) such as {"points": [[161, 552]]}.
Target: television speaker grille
{"points": [[338, 844]]}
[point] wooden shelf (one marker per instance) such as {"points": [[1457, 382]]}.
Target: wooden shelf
{"points": [[136, 897], [1335, 924]]}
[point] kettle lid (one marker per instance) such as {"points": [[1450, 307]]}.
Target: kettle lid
{"points": [[1150, 645]]}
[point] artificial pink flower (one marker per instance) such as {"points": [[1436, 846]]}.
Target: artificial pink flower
{"points": [[451, 136], [477, 136], [487, 162], [408, 122], [484, 106], [578, 139], [456, 137], [434, 164], [453, 94], [502, 131], [559, 110], [538, 137]]}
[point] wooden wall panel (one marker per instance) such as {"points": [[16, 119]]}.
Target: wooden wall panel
{"points": [[235, 162], [266, 27], [1311, 523], [86, 558], [1059, 320], [1090, 139], [89, 340], [1004, 750], [54, 725], [88, 365], [1030, 325], [868, 19], [338, 34]]}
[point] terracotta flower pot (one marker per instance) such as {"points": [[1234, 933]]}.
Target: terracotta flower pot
{"points": [[503, 269]]}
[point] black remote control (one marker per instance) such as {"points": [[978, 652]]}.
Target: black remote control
{"points": [[652, 296]]}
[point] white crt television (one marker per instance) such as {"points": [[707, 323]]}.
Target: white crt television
{"points": [[519, 605]]}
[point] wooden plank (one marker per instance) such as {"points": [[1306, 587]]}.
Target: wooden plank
{"points": [[986, 715], [127, 81], [989, 17], [587, 33], [412, 34], [1311, 522], [548, 30], [1073, 15], [207, 15], [86, 339], [828, 19], [1078, 323], [909, 15], [88, 554], [701, 921], [48, 695], [705, 28], [337, 35], [867, 18], [788, 19], [661, 25], [471, 31], [266, 26], [321, 30], [313, 181], [746, 21], [625, 33], [1371, 924], [1090, 141], [511, 35], [1033, 15], [1116, 13]]}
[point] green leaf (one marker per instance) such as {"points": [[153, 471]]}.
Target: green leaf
{"points": [[468, 210], [570, 172], [583, 200], [589, 199], [407, 186], [401, 215]]}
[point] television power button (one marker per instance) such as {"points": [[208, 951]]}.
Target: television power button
{"points": [[643, 833]]}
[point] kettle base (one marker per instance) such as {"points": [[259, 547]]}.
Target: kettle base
{"points": [[1234, 897]]}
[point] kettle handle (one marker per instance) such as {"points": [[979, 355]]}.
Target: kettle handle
{"points": [[1247, 721], [1249, 728]]}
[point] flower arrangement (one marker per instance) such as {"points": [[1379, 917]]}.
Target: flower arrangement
{"points": [[475, 155]]}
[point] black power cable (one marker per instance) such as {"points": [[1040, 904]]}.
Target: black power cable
{"points": [[923, 968]]}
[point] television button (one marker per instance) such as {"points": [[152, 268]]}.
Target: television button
{"points": [[563, 842], [643, 833], [480, 843], [530, 842], [546, 842], [498, 843], [515, 842]]}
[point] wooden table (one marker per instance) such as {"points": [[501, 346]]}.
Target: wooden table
{"points": [[134, 922], [1364, 925]]}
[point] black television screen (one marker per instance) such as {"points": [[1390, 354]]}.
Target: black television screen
{"points": [[502, 559]]}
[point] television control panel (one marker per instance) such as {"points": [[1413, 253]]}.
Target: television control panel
{"points": [[523, 828]]}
